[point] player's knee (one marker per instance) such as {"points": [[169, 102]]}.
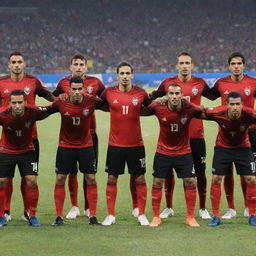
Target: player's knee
{"points": [[139, 177], [189, 181], [216, 179], [250, 179], [90, 178], [60, 179], [31, 180], [2, 181], [158, 182]]}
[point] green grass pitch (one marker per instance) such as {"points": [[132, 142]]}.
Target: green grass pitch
{"points": [[76, 237]]}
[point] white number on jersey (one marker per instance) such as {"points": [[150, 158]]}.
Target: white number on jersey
{"points": [[174, 127], [18, 133], [76, 120], [125, 109]]}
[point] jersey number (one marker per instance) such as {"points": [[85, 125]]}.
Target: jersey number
{"points": [[174, 127], [18, 133], [34, 166], [76, 120], [125, 109]]}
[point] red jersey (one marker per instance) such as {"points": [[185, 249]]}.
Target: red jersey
{"points": [[17, 132], [75, 122], [31, 85], [246, 87], [174, 127], [192, 90], [92, 86], [125, 109], [232, 133]]}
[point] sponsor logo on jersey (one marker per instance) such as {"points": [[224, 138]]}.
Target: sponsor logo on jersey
{"points": [[164, 119], [135, 101], [66, 114], [27, 90], [194, 90], [183, 120], [226, 92], [247, 91], [8, 128], [242, 128], [115, 101], [90, 89], [28, 124], [42, 108], [85, 111], [223, 126], [6, 91]]}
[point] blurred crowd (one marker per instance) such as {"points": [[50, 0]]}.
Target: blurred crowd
{"points": [[149, 34]]}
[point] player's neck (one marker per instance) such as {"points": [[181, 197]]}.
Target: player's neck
{"points": [[76, 102], [232, 117], [17, 77], [174, 108], [19, 115], [237, 78], [184, 78], [126, 88]]}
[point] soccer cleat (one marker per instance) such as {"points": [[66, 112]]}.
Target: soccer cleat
{"points": [[3, 221], [87, 213], [135, 212], [73, 213], [25, 216], [167, 212], [252, 220], [155, 222], [231, 213], [204, 214], [33, 221], [109, 220], [192, 222], [93, 221], [215, 221], [143, 221], [246, 212], [58, 221], [7, 215]]}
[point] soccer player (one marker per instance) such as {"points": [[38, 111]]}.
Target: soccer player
{"points": [[32, 86], [76, 146], [94, 87], [246, 86], [232, 146], [17, 148], [173, 149], [193, 89], [125, 140]]}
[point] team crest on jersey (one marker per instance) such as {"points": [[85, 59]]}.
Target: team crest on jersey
{"points": [[85, 111], [183, 120], [27, 90], [28, 124], [90, 89], [195, 91], [242, 128], [135, 101], [247, 91]]}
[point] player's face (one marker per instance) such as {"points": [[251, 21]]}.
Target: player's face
{"points": [[76, 92], [125, 76], [174, 95], [16, 64], [17, 104], [236, 66], [78, 67], [234, 107], [184, 65]]}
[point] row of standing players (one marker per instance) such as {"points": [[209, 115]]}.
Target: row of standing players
{"points": [[125, 102]]}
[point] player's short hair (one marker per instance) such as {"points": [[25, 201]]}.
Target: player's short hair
{"points": [[17, 93], [16, 53], [184, 54], [236, 55], [123, 64], [234, 95], [78, 57], [76, 80], [174, 85]]}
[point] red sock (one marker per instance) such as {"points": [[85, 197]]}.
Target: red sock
{"points": [[133, 192], [32, 195], [2, 200], [215, 198], [92, 195], [23, 189], [59, 198], [243, 186], [251, 198], [229, 190], [169, 185], [201, 187], [8, 188], [190, 196], [86, 203], [141, 188], [73, 188], [156, 193], [111, 192]]}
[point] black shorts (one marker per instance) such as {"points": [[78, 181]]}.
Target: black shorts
{"points": [[199, 153], [241, 157], [95, 146], [26, 162], [37, 148], [252, 138], [67, 159], [133, 156], [182, 164]]}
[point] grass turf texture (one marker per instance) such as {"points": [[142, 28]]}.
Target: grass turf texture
{"points": [[76, 237]]}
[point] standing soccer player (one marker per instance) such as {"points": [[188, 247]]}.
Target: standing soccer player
{"points": [[173, 150], [32, 86], [233, 146], [125, 140], [17, 148], [76, 146], [193, 89], [94, 87], [246, 86]]}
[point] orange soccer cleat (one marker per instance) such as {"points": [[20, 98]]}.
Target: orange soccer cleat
{"points": [[155, 222], [192, 222]]}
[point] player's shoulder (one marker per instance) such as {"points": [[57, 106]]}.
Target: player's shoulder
{"points": [[224, 79], [138, 88], [92, 78], [65, 79], [247, 77], [31, 77], [219, 110], [248, 110], [199, 79], [5, 77], [169, 80]]}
